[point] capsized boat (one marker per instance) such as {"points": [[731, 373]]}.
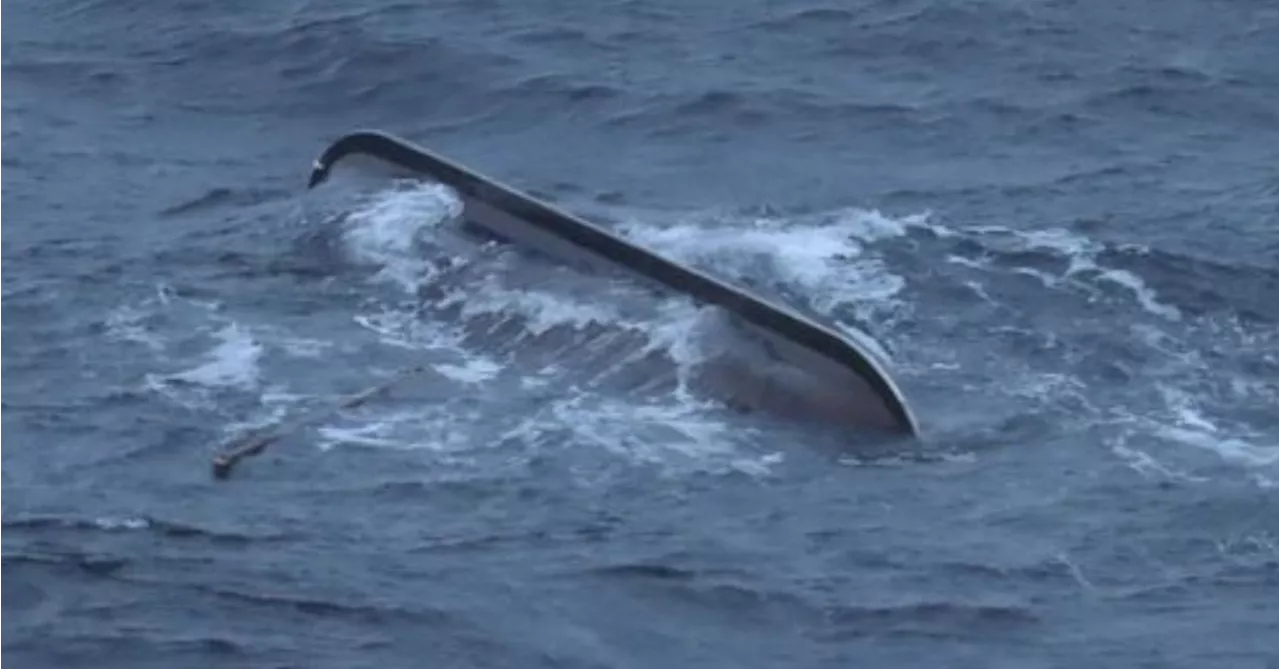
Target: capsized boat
{"points": [[814, 372]]}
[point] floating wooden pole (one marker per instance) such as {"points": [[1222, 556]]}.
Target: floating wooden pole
{"points": [[260, 439]]}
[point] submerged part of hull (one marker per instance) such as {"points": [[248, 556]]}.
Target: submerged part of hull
{"points": [[811, 372]]}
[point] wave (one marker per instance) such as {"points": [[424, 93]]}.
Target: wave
{"points": [[801, 600], [1133, 330], [172, 529]]}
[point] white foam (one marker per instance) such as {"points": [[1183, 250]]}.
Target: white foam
{"points": [[143, 322], [473, 371], [386, 230], [403, 329], [232, 362], [680, 331], [303, 347], [1231, 449], [1185, 412], [122, 523], [368, 434], [540, 309], [1080, 252], [1192, 427], [1143, 439], [276, 404], [1146, 465], [1144, 294], [1046, 279], [675, 436], [127, 323], [434, 427], [824, 259]]}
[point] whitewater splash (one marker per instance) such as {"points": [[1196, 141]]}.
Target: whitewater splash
{"points": [[516, 317]]}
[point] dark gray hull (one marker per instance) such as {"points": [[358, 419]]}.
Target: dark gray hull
{"points": [[813, 372]]}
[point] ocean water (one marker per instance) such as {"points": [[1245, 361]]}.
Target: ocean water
{"points": [[1058, 219]]}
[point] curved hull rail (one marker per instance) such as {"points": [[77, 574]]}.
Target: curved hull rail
{"points": [[840, 378]]}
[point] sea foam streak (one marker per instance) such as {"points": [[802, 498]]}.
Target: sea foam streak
{"points": [[1176, 398]]}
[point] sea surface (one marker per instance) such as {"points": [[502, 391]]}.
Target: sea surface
{"points": [[1057, 219]]}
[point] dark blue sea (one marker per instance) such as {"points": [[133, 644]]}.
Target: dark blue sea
{"points": [[1057, 219]]}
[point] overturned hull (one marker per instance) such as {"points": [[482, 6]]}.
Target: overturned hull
{"points": [[810, 371]]}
